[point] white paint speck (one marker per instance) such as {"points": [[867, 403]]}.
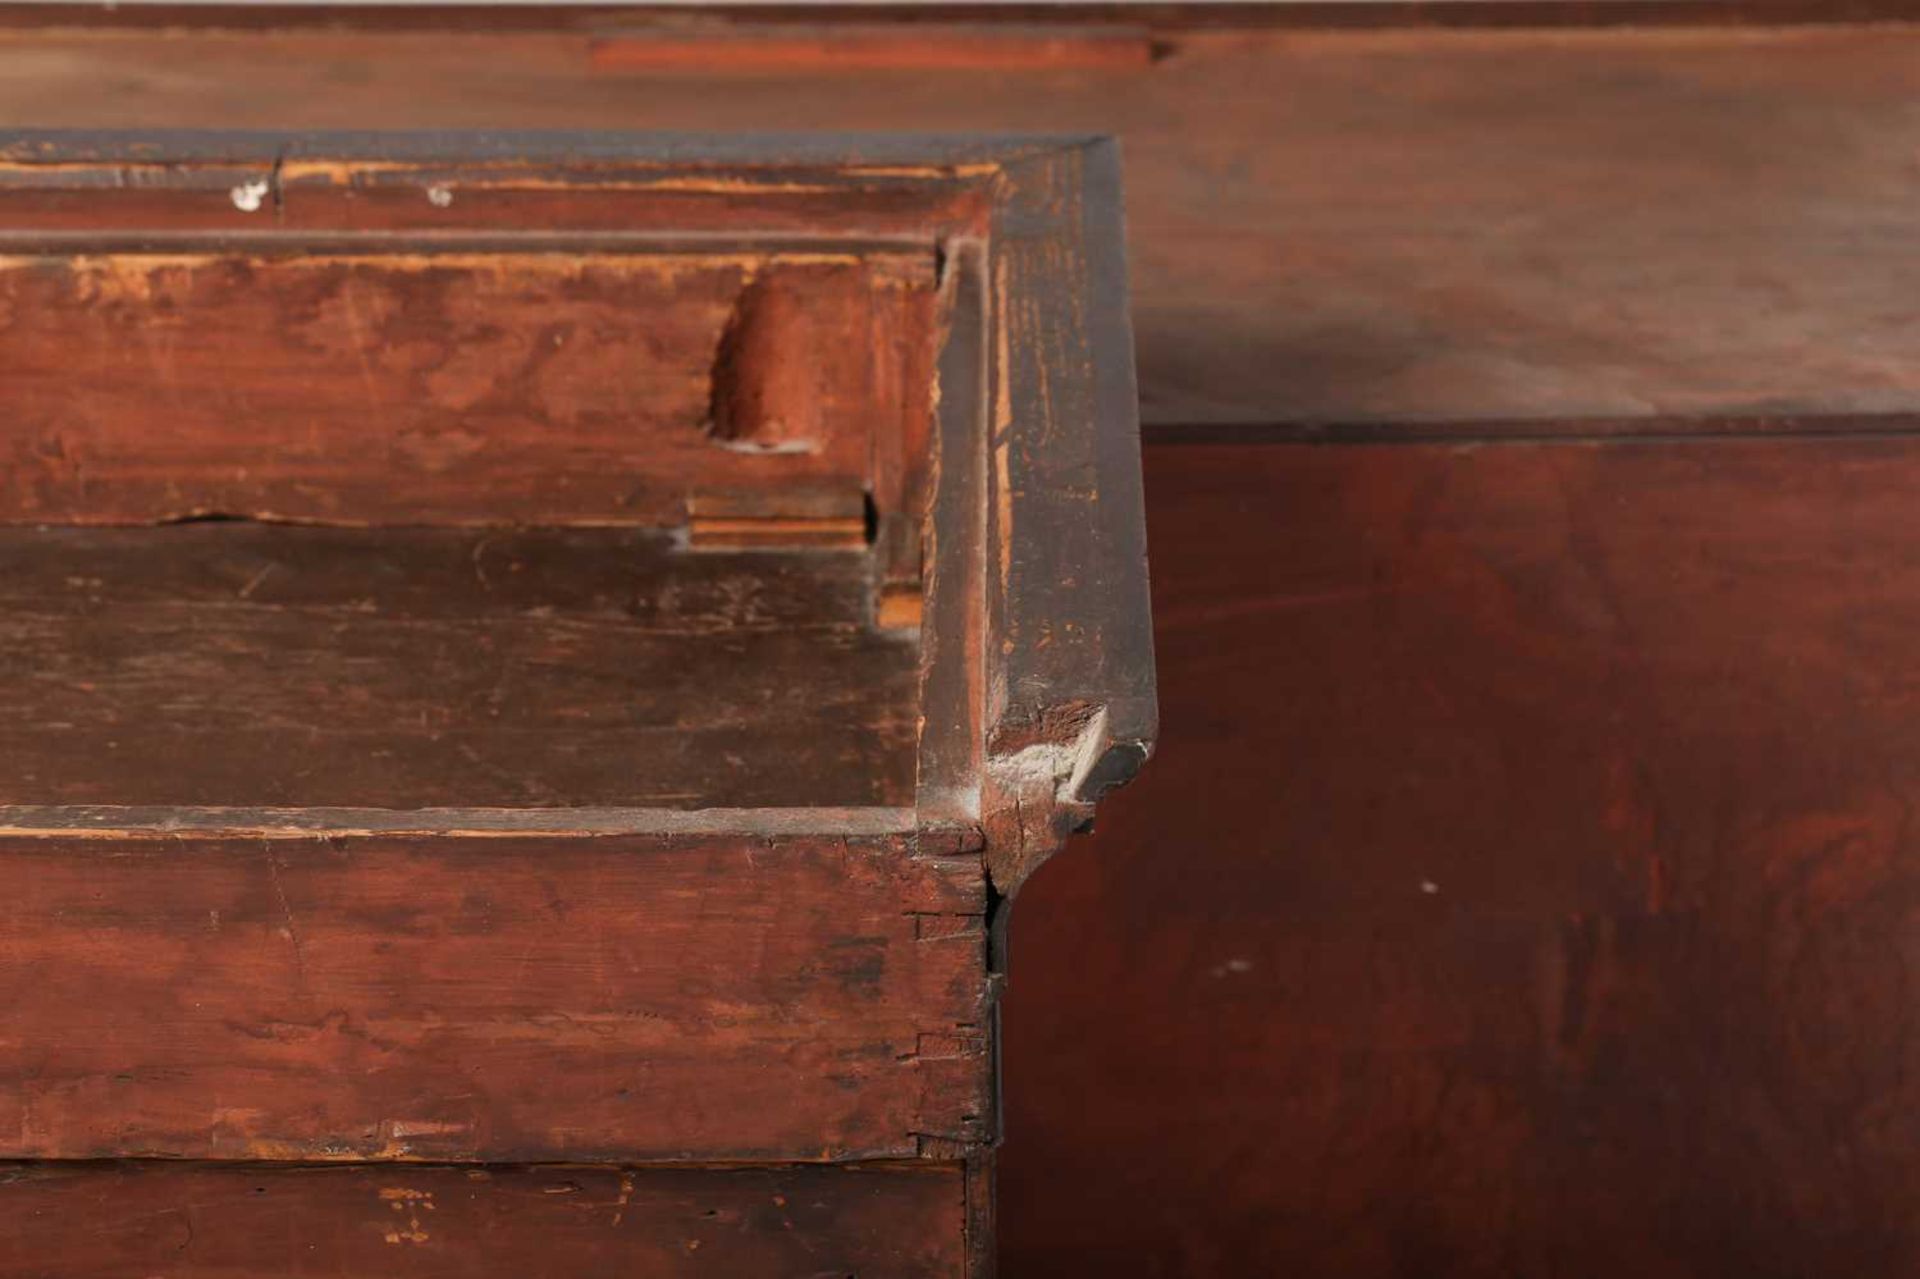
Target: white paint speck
{"points": [[439, 197], [1428, 887], [248, 196], [1232, 966]]}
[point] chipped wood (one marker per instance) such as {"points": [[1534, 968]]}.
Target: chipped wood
{"points": [[1070, 707]]}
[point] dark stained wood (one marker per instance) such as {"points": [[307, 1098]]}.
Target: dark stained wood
{"points": [[1069, 680], [1526, 883], [438, 387], [131, 1221], [953, 672], [319, 844], [273, 665], [493, 997], [1544, 669], [1396, 226]]}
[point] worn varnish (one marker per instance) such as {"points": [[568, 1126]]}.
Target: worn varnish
{"points": [[252, 664], [1527, 882], [489, 997], [525, 650], [131, 1221], [1314, 1060]]}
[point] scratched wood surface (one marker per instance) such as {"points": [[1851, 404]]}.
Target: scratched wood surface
{"points": [[187, 1221], [1527, 882], [672, 997], [1527, 676], [1384, 226], [442, 387], [275, 730], [273, 665]]}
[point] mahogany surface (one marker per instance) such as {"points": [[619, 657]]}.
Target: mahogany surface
{"points": [[1543, 1066], [1527, 882]]}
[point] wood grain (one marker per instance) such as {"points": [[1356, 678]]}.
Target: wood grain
{"points": [[200, 965], [1528, 676], [132, 1221], [835, 46], [1526, 883], [232, 663], [438, 387], [1164, 18], [1069, 676], [1325, 226], [489, 998]]}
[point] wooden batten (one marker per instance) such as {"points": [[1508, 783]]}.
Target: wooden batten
{"points": [[804, 519]]}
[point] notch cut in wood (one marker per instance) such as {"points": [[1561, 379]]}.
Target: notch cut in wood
{"points": [[805, 520], [787, 349]]}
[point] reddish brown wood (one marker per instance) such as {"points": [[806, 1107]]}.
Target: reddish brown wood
{"points": [[779, 48], [216, 1221], [442, 387], [492, 997], [1526, 884], [1167, 18], [775, 373], [322, 846], [1326, 226]]}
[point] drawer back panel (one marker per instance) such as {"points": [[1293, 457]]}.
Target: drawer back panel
{"points": [[453, 384]]}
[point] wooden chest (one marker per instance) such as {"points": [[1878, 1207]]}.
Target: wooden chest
{"points": [[530, 669]]}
